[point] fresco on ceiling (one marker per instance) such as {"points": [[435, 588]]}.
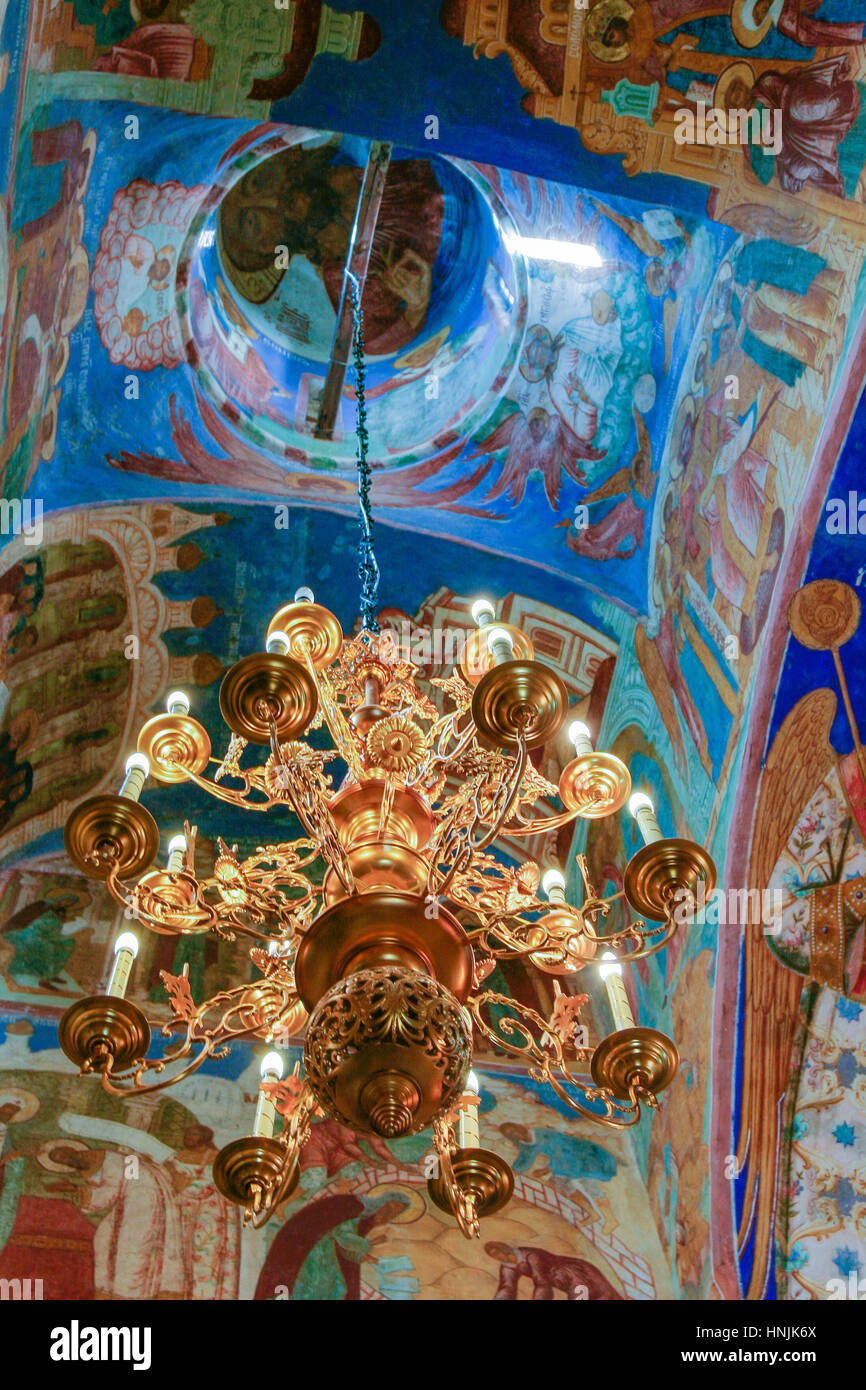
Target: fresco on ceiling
{"points": [[46, 273], [807, 846], [200, 56], [620, 72], [87, 1179], [559, 473], [751, 402], [444, 302]]}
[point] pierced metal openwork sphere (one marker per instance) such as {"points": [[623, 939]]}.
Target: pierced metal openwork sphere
{"points": [[387, 1050]]}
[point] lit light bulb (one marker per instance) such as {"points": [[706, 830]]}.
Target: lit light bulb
{"points": [[553, 885], [176, 851], [125, 952], [612, 967], [271, 1069], [473, 1084], [137, 770], [304, 595], [644, 813], [611, 972], [177, 702], [272, 1065], [483, 612], [500, 644], [579, 734], [278, 642]]}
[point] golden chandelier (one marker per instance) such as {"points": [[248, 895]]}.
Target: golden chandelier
{"points": [[374, 930], [380, 960]]}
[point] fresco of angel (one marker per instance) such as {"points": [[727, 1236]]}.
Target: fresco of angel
{"points": [[540, 442]]}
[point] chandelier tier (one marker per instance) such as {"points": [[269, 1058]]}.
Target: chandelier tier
{"points": [[372, 931]]}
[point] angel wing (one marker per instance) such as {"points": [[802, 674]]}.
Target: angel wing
{"points": [[643, 436], [656, 678], [800, 757], [498, 438], [614, 486]]}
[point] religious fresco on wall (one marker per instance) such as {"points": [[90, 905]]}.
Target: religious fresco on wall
{"points": [[807, 850], [201, 56], [586, 348], [622, 73], [640, 448], [85, 655], [820, 1226], [46, 285], [113, 1198]]}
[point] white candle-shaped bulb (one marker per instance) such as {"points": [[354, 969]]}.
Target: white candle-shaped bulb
{"points": [[611, 972], [644, 813], [125, 952], [304, 595], [271, 1069], [553, 884], [136, 769], [468, 1127], [579, 734], [177, 702], [176, 851], [500, 645], [278, 642], [483, 612]]}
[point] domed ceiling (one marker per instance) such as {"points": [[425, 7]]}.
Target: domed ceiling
{"points": [[610, 375]]}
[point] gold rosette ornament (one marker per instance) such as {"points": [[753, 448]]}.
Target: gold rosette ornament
{"points": [[396, 745]]}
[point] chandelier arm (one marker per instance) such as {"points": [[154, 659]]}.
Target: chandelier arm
{"points": [[548, 1062], [506, 794], [537, 938], [649, 945], [255, 1007], [144, 1064], [295, 1134], [146, 904], [336, 722], [314, 814], [232, 796], [465, 739], [545, 823], [453, 842], [462, 1203]]}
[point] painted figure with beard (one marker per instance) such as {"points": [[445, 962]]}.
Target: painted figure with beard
{"points": [[300, 199]]}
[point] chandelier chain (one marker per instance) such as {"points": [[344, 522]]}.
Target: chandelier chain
{"points": [[368, 569]]}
